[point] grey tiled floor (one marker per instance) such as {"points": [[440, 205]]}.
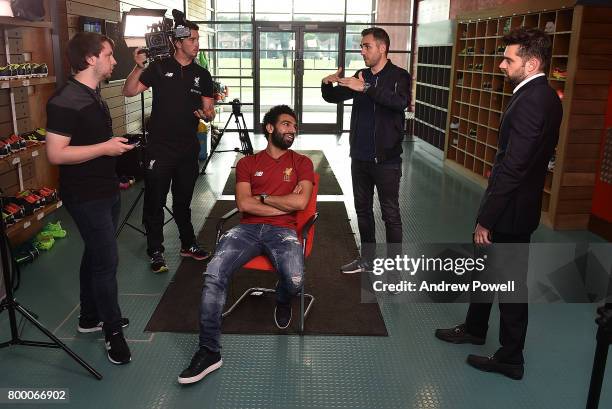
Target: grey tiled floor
{"points": [[408, 369]]}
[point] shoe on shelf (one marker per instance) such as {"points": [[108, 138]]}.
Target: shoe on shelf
{"points": [[551, 163], [158, 262], [358, 265], [87, 326], [8, 219], [195, 252], [458, 335], [454, 125], [492, 364], [549, 27], [202, 363], [282, 315], [117, 348], [124, 182], [559, 73]]}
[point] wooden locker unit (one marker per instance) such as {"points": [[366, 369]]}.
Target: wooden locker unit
{"points": [[23, 109], [582, 47]]}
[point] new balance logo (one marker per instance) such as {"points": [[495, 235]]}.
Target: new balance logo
{"points": [[169, 74], [259, 173]]}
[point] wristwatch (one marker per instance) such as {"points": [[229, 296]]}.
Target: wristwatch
{"points": [[262, 197], [366, 87]]}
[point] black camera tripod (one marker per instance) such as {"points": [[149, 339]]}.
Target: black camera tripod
{"points": [[141, 165], [604, 339], [246, 147], [12, 306]]}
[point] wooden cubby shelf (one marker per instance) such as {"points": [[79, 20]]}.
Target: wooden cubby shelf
{"points": [[23, 109], [26, 82], [479, 95], [432, 93], [19, 22]]}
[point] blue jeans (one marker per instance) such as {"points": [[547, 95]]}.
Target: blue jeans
{"points": [[97, 223], [236, 247]]}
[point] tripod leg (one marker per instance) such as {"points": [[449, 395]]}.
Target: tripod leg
{"points": [[599, 369], [247, 139], [171, 215], [212, 151], [56, 342], [213, 146], [126, 219]]}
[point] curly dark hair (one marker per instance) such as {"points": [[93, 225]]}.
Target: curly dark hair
{"points": [[533, 43], [271, 117]]}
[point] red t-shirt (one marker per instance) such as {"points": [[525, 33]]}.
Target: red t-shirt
{"points": [[275, 177]]}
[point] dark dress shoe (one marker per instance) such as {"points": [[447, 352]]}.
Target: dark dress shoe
{"points": [[458, 335], [492, 364]]}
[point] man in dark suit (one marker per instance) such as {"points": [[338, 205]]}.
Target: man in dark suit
{"points": [[510, 209]]}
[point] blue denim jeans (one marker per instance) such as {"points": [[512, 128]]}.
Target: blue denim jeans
{"points": [[97, 223], [236, 247]]}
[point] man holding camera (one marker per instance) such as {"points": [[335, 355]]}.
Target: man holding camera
{"points": [[182, 95], [80, 140]]}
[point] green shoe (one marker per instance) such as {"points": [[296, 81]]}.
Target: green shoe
{"points": [[44, 244], [55, 230]]}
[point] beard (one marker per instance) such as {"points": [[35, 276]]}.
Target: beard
{"points": [[277, 139], [516, 78]]}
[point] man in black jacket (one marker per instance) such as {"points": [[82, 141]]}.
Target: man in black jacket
{"points": [[380, 95], [510, 209]]}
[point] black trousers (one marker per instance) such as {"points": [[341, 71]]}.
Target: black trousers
{"points": [[386, 179], [97, 223], [165, 168], [513, 315]]}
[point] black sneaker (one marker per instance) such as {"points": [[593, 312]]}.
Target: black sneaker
{"points": [[358, 265], [202, 363], [86, 326], [282, 315], [118, 350], [158, 262], [196, 252]]}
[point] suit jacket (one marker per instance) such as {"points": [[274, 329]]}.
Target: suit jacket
{"points": [[528, 134]]}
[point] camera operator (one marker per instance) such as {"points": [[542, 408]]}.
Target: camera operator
{"points": [[182, 95]]}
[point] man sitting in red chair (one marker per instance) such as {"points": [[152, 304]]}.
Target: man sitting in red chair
{"points": [[270, 187]]}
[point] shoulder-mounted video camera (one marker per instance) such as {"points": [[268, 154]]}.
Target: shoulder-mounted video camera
{"points": [[159, 38]]}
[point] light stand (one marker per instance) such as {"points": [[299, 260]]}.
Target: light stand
{"points": [[12, 306], [246, 147]]}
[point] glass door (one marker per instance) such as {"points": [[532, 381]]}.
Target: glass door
{"points": [[290, 61]]}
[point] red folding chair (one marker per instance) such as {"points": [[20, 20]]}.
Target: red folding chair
{"points": [[305, 229]]}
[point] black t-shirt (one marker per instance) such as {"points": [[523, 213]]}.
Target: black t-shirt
{"points": [[177, 92], [79, 113]]}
